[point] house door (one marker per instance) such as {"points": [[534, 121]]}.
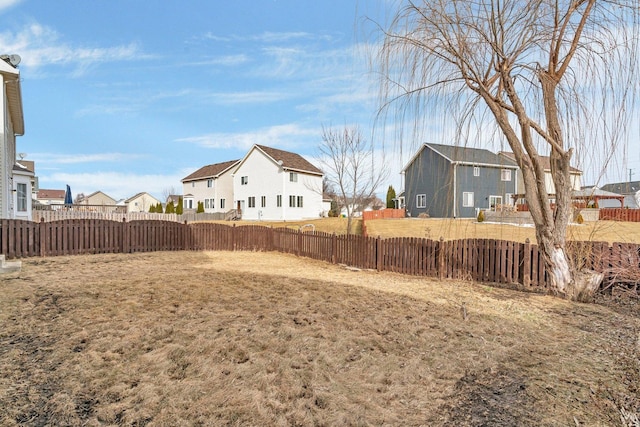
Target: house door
{"points": [[494, 202]]}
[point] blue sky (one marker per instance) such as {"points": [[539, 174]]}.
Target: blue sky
{"points": [[126, 96]]}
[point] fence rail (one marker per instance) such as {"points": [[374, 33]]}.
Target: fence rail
{"points": [[620, 214], [484, 260]]}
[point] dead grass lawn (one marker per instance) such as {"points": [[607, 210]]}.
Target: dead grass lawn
{"points": [[450, 229], [220, 338]]}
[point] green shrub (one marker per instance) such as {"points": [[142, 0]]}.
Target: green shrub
{"points": [[579, 219], [200, 207], [481, 216]]}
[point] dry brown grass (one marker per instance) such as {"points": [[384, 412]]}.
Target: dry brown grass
{"points": [[219, 338], [449, 229], [326, 225]]}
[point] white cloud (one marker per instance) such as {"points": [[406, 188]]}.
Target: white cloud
{"points": [[280, 136], [5, 4], [268, 37], [53, 159], [257, 97], [39, 45]]}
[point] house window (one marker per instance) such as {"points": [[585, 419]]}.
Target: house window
{"points": [[263, 201], [505, 174], [206, 203], [292, 201], [210, 183], [421, 201], [467, 199], [476, 171], [251, 202], [222, 203], [22, 197], [244, 180], [193, 184], [299, 201], [279, 200], [293, 177], [189, 204]]}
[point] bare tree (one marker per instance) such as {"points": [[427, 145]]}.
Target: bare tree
{"points": [[348, 161], [168, 191], [551, 76]]}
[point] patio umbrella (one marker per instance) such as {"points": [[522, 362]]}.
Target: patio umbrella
{"points": [[68, 199]]}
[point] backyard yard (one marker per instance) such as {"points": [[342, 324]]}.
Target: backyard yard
{"points": [[251, 338]]}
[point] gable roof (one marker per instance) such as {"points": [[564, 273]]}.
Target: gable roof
{"points": [[95, 193], [622, 187], [140, 195], [210, 171], [466, 155], [290, 161], [545, 160], [51, 194]]}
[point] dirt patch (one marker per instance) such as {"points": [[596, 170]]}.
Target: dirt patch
{"points": [[221, 338]]}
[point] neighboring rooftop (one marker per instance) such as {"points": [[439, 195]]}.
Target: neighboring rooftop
{"points": [[623, 187], [545, 160], [210, 171], [289, 160]]}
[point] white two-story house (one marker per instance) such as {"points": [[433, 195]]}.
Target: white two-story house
{"points": [[15, 180], [272, 184], [212, 185]]}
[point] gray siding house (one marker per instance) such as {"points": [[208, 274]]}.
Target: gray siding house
{"points": [[446, 181]]}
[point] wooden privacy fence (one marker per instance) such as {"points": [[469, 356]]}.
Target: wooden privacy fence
{"points": [[620, 214], [484, 260], [383, 214]]}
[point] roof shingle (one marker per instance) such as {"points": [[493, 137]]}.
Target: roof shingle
{"points": [[290, 160], [210, 171]]}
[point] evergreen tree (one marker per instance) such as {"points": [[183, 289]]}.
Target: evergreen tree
{"points": [[170, 208], [159, 207], [200, 207], [391, 195], [179, 208]]}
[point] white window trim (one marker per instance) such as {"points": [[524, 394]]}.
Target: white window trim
{"points": [[505, 175], [466, 203], [420, 197]]}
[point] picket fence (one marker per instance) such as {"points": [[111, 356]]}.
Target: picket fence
{"points": [[484, 260]]}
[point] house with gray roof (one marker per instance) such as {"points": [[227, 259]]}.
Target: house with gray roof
{"points": [[448, 181], [630, 190]]}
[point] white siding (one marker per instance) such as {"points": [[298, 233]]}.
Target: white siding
{"points": [[221, 188], [268, 179]]}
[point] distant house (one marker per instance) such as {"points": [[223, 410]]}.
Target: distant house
{"points": [[14, 193], [50, 197], [446, 181], [630, 191], [141, 202], [357, 207], [212, 185], [99, 198], [575, 175], [273, 184]]}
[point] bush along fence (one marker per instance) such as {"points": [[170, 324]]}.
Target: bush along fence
{"points": [[484, 260]]}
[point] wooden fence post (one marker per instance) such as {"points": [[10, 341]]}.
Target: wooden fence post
{"points": [[441, 259], [126, 237], [526, 263], [379, 257], [334, 248], [42, 238]]}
